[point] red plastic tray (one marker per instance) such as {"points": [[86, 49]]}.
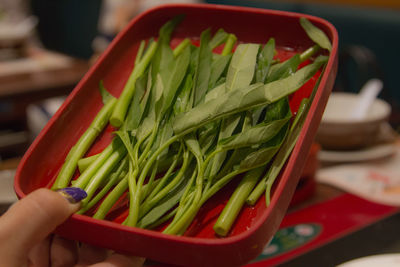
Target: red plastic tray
{"points": [[200, 246]]}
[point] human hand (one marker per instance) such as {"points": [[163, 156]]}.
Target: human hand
{"points": [[26, 240]]}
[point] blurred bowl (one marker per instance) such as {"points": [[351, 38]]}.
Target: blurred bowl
{"points": [[14, 34], [339, 131]]}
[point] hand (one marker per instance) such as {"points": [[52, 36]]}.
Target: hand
{"points": [[26, 240]]}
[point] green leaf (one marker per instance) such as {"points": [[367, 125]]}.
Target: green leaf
{"points": [[164, 54], [266, 182], [244, 99], [194, 146], [144, 103], [175, 78], [183, 99], [202, 75], [264, 60], [242, 66], [207, 134], [135, 111], [284, 69], [278, 89], [257, 114], [163, 135], [264, 155], [228, 125], [140, 51], [158, 97], [287, 147], [226, 104], [258, 134], [219, 37], [146, 127], [216, 92], [218, 67], [277, 110], [105, 95], [273, 111], [167, 203], [316, 34]]}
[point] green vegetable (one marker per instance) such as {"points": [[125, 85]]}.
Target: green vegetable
{"points": [[316, 34], [122, 105], [280, 159], [235, 203], [189, 122], [83, 144], [244, 99]]}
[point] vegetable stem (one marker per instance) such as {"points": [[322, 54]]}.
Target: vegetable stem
{"points": [[140, 52], [84, 163], [137, 196], [280, 158], [182, 45], [85, 177], [113, 180], [124, 100], [83, 144], [155, 199], [236, 201], [111, 198], [103, 172], [309, 52], [230, 42]]}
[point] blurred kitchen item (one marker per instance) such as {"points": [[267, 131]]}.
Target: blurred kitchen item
{"points": [[14, 33], [116, 14], [35, 60], [365, 154], [340, 131], [367, 96], [383, 146], [377, 181], [39, 114], [387, 260], [17, 27]]}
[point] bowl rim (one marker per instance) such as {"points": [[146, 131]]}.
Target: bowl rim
{"points": [[387, 109]]}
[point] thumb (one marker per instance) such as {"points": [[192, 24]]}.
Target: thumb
{"points": [[33, 218]]}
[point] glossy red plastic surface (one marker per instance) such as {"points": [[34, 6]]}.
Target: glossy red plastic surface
{"points": [[200, 246]]}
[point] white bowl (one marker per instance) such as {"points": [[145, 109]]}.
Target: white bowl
{"points": [[338, 130]]}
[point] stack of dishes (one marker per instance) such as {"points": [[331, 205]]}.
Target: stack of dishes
{"points": [[344, 138]]}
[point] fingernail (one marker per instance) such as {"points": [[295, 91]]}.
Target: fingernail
{"points": [[73, 194]]}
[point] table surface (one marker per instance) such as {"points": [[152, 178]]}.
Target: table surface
{"points": [[43, 82], [30, 80]]}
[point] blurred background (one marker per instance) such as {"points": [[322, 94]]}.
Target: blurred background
{"points": [[46, 46]]}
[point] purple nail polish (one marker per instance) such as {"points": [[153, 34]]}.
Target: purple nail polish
{"points": [[73, 194]]}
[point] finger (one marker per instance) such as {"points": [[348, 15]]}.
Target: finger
{"points": [[39, 254], [90, 254], [118, 260], [63, 252], [29, 221]]}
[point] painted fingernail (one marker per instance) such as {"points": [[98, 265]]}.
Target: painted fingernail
{"points": [[73, 194]]}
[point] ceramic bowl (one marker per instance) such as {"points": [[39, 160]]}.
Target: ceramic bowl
{"points": [[339, 131]]}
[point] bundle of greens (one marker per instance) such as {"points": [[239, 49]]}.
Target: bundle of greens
{"points": [[189, 120]]}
